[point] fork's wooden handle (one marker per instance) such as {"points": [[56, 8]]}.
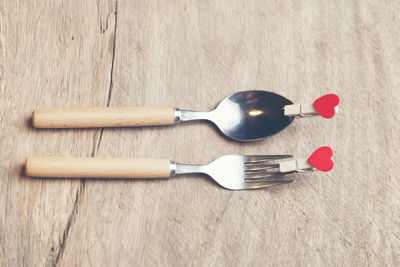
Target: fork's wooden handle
{"points": [[103, 117], [97, 168]]}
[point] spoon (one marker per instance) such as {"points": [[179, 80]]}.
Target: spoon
{"points": [[243, 116]]}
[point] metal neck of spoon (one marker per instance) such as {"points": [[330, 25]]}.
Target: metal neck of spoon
{"points": [[190, 115]]}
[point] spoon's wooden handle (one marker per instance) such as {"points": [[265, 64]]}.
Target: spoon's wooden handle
{"points": [[103, 117], [97, 168]]}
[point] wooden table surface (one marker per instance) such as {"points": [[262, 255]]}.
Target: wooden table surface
{"points": [[192, 54]]}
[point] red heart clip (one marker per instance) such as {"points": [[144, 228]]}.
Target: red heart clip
{"points": [[325, 105], [321, 159]]}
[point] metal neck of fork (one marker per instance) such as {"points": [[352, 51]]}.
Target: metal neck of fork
{"points": [[190, 115], [178, 168]]}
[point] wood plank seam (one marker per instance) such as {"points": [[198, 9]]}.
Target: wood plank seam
{"points": [[55, 254], [111, 72]]}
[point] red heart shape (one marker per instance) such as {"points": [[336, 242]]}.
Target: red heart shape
{"points": [[321, 159], [325, 105]]}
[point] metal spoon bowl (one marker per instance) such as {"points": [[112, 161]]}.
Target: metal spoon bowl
{"points": [[245, 116]]}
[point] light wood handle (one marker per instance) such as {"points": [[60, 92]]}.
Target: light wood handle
{"points": [[97, 168], [103, 117]]}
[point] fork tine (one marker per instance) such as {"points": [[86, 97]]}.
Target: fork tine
{"points": [[267, 184], [271, 177], [263, 158], [268, 177], [261, 167]]}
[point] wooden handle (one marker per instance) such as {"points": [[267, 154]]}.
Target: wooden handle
{"points": [[97, 168], [103, 117]]}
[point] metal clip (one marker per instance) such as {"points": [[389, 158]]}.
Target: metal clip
{"points": [[302, 110]]}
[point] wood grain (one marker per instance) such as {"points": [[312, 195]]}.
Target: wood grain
{"points": [[102, 117], [192, 54], [97, 167]]}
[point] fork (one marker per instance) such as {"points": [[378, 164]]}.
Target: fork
{"points": [[235, 172]]}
